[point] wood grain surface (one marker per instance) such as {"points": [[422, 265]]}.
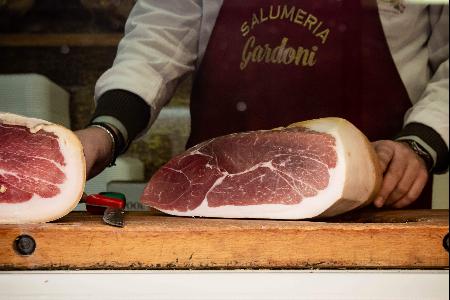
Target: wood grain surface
{"points": [[363, 240]]}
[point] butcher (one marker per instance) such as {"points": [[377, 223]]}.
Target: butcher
{"points": [[380, 64]]}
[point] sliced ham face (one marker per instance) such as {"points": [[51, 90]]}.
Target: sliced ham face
{"points": [[42, 170], [315, 168]]}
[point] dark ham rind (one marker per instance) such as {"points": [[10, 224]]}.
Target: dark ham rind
{"points": [[30, 164], [244, 169]]}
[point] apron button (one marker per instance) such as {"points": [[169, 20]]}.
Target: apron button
{"points": [[241, 106]]}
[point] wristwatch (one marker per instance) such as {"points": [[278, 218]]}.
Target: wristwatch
{"points": [[420, 151]]}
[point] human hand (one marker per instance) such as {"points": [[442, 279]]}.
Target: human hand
{"points": [[404, 174], [97, 148]]}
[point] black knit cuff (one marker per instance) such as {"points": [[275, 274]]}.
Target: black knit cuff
{"points": [[131, 110], [433, 139]]}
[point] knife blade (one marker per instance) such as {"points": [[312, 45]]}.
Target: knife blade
{"points": [[114, 217], [111, 205]]}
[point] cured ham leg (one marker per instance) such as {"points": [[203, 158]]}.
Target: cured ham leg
{"points": [[321, 167], [42, 170]]}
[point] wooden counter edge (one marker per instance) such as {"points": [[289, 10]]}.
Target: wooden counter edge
{"points": [[183, 243]]}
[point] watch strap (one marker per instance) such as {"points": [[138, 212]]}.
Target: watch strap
{"points": [[433, 142], [421, 152]]}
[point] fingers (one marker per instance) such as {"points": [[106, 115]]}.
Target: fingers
{"points": [[385, 153], [405, 174], [393, 175], [414, 192], [403, 181]]}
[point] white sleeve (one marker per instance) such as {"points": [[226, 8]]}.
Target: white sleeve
{"points": [[159, 48], [432, 109]]}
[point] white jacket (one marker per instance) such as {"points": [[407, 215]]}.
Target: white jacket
{"points": [[166, 39]]}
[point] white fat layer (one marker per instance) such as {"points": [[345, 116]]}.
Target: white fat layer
{"points": [[308, 207], [39, 209]]}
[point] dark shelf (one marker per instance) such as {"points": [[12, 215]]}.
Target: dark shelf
{"points": [[58, 40]]}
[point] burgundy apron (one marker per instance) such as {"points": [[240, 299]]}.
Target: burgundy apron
{"points": [[270, 63]]}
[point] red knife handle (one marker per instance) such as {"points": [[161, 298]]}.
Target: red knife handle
{"points": [[96, 204]]}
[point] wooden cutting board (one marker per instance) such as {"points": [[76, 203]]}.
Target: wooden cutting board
{"points": [[362, 240]]}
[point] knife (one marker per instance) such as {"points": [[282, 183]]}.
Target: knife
{"points": [[109, 204]]}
